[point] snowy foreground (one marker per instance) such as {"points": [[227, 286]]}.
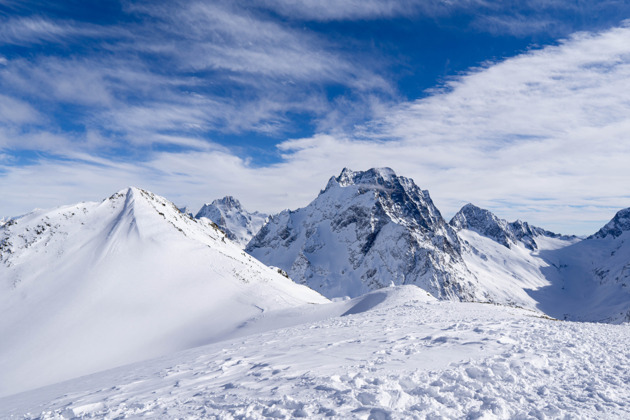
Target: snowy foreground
{"points": [[394, 353]]}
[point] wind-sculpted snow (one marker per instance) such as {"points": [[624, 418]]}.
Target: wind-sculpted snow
{"points": [[407, 357], [507, 234], [96, 285], [365, 231], [238, 224]]}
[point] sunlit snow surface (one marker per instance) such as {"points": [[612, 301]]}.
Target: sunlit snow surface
{"points": [[93, 286], [395, 353]]}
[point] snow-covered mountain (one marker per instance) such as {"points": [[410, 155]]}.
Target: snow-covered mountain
{"points": [[562, 276], [91, 286], [238, 224], [367, 230], [596, 273], [186, 210], [507, 234], [619, 225]]}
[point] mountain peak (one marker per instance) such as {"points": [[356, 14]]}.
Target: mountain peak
{"points": [[341, 244], [228, 202], [124, 279], [238, 224], [371, 176], [485, 223], [617, 225]]}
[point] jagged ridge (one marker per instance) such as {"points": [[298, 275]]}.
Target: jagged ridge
{"points": [[367, 230], [238, 224], [507, 234]]}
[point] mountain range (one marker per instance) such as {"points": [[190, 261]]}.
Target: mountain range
{"points": [[92, 286], [371, 229]]}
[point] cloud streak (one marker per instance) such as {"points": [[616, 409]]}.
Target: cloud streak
{"points": [[541, 136]]}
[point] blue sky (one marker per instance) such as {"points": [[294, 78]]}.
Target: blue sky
{"points": [[519, 107]]}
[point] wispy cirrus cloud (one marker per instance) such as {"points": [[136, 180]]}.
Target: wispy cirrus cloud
{"points": [[517, 18], [179, 70], [29, 30], [541, 136]]}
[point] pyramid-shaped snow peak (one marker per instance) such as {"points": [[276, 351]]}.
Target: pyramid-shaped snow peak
{"points": [[367, 230], [95, 285]]}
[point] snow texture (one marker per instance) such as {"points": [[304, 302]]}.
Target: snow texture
{"points": [[402, 355], [365, 231], [238, 224], [96, 285]]}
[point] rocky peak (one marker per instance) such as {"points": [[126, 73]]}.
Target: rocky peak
{"points": [[238, 224], [228, 202], [484, 222], [366, 230], [507, 234], [618, 225]]}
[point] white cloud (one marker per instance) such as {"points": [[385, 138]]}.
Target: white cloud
{"points": [[14, 111], [513, 17], [542, 137], [35, 30], [189, 67]]}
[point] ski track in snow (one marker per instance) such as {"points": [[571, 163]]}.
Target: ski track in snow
{"points": [[406, 357]]}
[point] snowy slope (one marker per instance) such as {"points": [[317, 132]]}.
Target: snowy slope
{"points": [[238, 224], [365, 231], [562, 276], [510, 275], [594, 275], [96, 285], [400, 356]]}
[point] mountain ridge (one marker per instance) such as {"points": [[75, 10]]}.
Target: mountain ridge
{"points": [[229, 215], [359, 215], [95, 285]]}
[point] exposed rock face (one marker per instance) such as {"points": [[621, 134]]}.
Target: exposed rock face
{"points": [[367, 230], [238, 224], [616, 227], [507, 234]]}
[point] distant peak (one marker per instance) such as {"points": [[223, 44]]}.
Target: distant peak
{"points": [[227, 201], [471, 207], [371, 176], [618, 225]]}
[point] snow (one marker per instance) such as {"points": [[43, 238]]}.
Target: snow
{"points": [[97, 285], [616, 227], [367, 230], [238, 224], [397, 353], [130, 308], [566, 278]]}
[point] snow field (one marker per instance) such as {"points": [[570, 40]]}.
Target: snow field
{"points": [[400, 355]]}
